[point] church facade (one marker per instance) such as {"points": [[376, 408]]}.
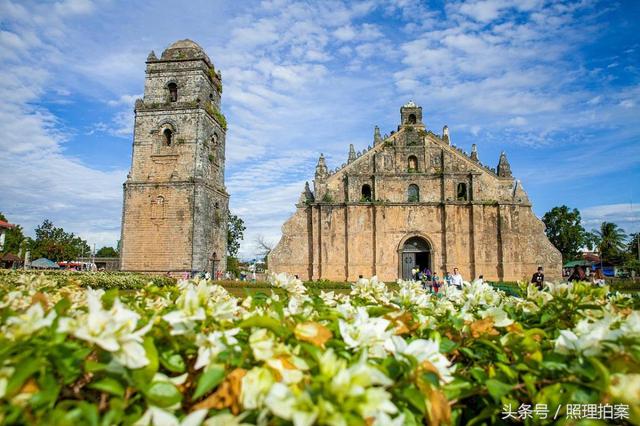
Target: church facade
{"points": [[174, 216], [414, 200]]}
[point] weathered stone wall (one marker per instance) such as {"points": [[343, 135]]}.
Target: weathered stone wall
{"points": [[157, 237], [175, 202]]}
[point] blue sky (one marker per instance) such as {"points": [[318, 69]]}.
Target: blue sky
{"points": [[554, 84]]}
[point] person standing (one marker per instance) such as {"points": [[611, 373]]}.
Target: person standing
{"points": [[598, 278], [446, 280], [538, 278], [456, 279], [436, 282], [575, 275]]}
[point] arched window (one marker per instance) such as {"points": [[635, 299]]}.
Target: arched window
{"points": [[157, 207], [413, 194], [366, 193], [461, 192], [168, 136], [412, 163], [173, 92], [411, 119]]}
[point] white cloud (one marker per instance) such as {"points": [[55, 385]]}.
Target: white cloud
{"points": [[627, 216]]}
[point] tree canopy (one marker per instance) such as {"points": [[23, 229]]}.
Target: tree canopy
{"points": [[610, 240], [235, 234], [565, 231], [56, 244], [107, 252]]}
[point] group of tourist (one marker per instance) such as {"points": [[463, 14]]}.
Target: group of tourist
{"points": [[433, 282]]}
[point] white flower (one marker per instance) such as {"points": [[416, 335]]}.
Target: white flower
{"points": [[156, 416], [299, 409], [227, 419], [28, 322], [630, 327], [113, 330], [211, 345], [190, 308], [365, 332], [291, 284], [354, 380], [371, 290], [376, 402], [500, 317], [328, 298], [423, 350], [255, 386], [288, 370], [262, 344], [587, 336]]}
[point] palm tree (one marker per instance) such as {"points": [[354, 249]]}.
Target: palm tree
{"points": [[610, 241]]}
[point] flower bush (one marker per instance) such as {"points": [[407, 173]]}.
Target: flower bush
{"points": [[192, 354]]}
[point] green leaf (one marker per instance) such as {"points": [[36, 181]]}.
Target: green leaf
{"points": [[209, 380], [23, 371], [416, 398], [264, 321], [109, 385], [497, 389], [94, 366], [447, 345], [172, 361], [163, 394], [62, 306]]}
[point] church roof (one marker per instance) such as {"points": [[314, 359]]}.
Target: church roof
{"points": [[185, 49], [185, 44]]}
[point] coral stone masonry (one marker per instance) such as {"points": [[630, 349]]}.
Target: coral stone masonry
{"points": [[414, 200], [175, 201]]}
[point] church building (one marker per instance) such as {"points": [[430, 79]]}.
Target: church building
{"points": [[174, 215], [414, 200]]}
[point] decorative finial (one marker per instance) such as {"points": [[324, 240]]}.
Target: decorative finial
{"points": [[504, 168], [474, 152], [152, 56], [321, 168], [376, 136], [352, 153], [445, 134]]}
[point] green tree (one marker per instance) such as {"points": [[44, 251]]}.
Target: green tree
{"points": [[235, 234], [634, 245], [56, 244], [564, 230], [107, 252], [13, 238], [610, 240]]}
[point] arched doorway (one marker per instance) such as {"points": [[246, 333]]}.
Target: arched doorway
{"points": [[416, 252]]}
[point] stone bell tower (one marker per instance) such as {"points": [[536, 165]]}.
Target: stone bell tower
{"points": [[174, 216]]}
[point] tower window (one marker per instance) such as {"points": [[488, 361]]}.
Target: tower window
{"points": [[157, 208], [168, 137], [412, 164], [461, 192], [413, 193], [366, 193], [411, 119], [173, 92]]}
